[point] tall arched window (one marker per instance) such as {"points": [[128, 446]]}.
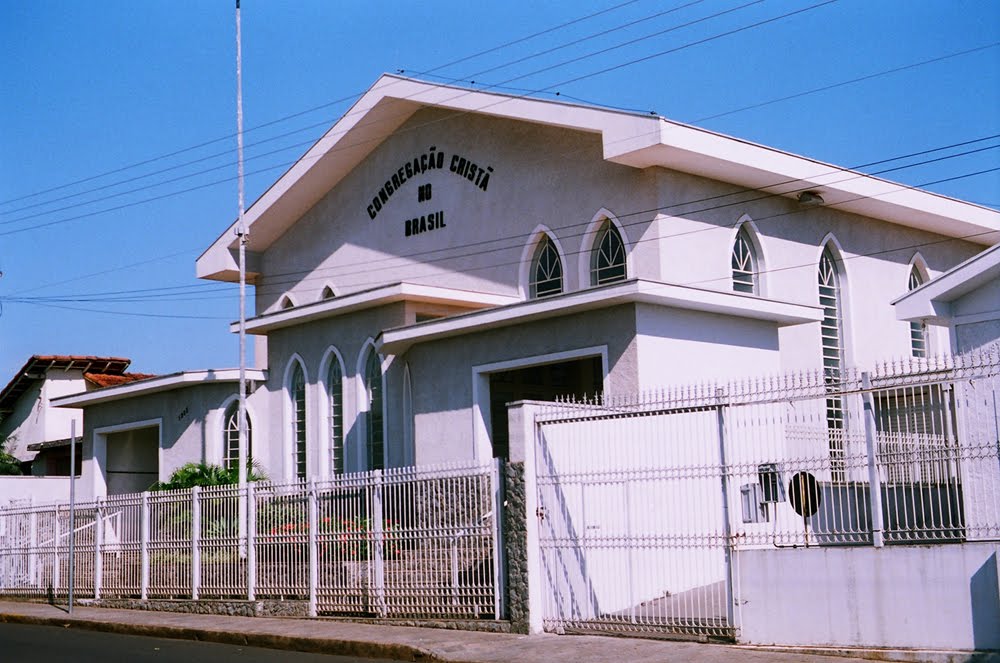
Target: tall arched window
{"points": [[231, 435], [607, 259], [374, 439], [831, 330], [546, 270], [335, 393], [744, 263], [297, 392], [918, 329]]}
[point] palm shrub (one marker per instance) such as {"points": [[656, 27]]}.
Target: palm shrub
{"points": [[190, 475]]}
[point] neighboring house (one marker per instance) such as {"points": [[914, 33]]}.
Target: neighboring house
{"points": [[965, 300], [38, 434], [443, 251], [139, 433]]}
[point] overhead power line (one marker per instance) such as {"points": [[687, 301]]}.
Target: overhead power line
{"points": [[285, 118], [462, 93], [171, 294], [686, 203], [719, 201]]}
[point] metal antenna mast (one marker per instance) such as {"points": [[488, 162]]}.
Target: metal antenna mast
{"points": [[241, 233]]}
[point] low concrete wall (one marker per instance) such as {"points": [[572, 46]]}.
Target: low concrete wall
{"points": [[929, 597], [42, 489]]}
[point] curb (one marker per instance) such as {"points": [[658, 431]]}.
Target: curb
{"points": [[361, 649], [884, 654]]}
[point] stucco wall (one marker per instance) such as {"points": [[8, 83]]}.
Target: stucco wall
{"points": [[481, 248], [24, 425], [929, 597], [311, 344], [696, 240], [679, 347], [977, 317], [39, 489], [34, 420], [445, 427], [977, 335], [189, 419]]}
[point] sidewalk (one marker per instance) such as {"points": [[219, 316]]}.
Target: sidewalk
{"points": [[420, 644]]}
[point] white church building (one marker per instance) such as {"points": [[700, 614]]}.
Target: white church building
{"points": [[442, 251]]}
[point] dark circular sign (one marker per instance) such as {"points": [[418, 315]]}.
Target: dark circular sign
{"points": [[803, 493]]}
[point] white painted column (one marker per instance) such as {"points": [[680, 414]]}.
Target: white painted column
{"points": [[378, 559], [874, 482], [313, 551], [251, 531], [98, 545], [523, 436], [195, 541], [144, 547]]}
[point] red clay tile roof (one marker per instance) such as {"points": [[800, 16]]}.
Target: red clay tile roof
{"points": [[104, 380], [35, 367]]}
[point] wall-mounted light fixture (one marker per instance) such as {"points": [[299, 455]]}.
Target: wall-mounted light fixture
{"points": [[810, 199]]}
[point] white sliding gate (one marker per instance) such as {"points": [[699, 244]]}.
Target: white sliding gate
{"points": [[646, 502], [632, 524]]}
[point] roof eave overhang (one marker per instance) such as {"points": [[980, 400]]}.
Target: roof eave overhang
{"points": [[931, 302], [399, 340], [632, 139], [374, 117], [155, 385], [398, 292], [724, 158]]}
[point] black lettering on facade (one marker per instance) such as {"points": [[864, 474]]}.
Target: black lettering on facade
{"points": [[423, 224], [418, 165]]}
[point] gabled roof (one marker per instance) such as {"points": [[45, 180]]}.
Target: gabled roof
{"points": [[632, 139], [932, 300], [36, 367]]}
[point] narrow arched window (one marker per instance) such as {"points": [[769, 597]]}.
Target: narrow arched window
{"points": [[744, 263], [546, 270], [374, 440], [231, 434], [918, 328], [831, 331], [297, 388], [335, 387], [607, 259]]}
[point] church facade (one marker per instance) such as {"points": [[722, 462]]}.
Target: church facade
{"points": [[441, 252]]}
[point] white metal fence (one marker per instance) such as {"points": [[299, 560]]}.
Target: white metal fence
{"points": [[415, 542], [644, 501]]}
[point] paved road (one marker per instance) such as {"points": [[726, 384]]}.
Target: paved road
{"points": [[21, 643]]}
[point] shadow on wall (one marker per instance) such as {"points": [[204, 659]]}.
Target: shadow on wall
{"points": [[985, 590]]}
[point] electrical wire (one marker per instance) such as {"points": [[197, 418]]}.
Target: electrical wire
{"points": [[758, 220], [462, 93], [644, 212], [490, 245], [285, 118]]}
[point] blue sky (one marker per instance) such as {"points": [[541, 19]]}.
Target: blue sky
{"points": [[98, 256]]}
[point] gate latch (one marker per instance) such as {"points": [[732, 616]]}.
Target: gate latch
{"points": [[540, 512]]}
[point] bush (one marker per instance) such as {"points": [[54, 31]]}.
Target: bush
{"points": [[8, 464], [204, 474]]}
